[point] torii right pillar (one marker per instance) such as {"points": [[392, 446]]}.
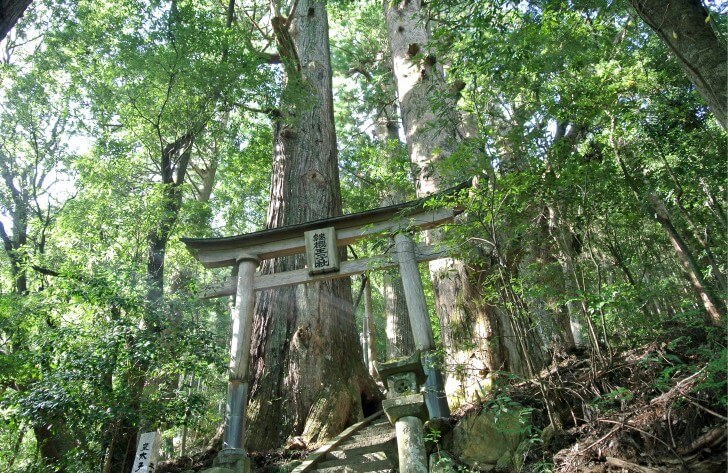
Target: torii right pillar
{"points": [[435, 398]]}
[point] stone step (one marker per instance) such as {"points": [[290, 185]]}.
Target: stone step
{"points": [[378, 466], [354, 460], [371, 435], [374, 429], [381, 421], [369, 448], [363, 458], [347, 451], [380, 429]]}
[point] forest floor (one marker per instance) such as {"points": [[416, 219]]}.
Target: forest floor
{"points": [[275, 461], [658, 408]]}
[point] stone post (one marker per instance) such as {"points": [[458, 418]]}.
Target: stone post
{"points": [[420, 322], [411, 445], [405, 408], [232, 456]]}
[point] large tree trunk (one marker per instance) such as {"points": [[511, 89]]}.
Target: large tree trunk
{"points": [[431, 136], [10, 13], [399, 331], [308, 377], [54, 443], [553, 322], [682, 26]]}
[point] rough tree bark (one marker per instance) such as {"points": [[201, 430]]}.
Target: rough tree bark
{"points": [[10, 13], [682, 26], [554, 324], [368, 325], [308, 377], [430, 136], [399, 332]]}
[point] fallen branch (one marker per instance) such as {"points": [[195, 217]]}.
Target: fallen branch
{"points": [[711, 438], [603, 438], [677, 389], [677, 392], [700, 406], [624, 424], [631, 466]]}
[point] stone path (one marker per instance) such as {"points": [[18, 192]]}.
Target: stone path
{"points": [[367, 447]]}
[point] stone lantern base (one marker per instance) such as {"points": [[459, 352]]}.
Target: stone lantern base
{"points": [[230, 460]]}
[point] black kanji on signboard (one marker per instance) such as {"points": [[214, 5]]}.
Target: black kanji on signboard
{"points": [[320, 251]]}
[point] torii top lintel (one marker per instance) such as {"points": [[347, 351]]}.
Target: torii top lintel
{"points": [[289, 240]]}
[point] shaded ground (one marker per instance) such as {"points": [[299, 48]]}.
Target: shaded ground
{"points": [[274, 461], [650, 410], [656, 409]]}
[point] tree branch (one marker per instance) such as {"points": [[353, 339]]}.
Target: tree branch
{"points": [[292, 12], [7, 242], [256, 25], [46, 271], [271, 112]]}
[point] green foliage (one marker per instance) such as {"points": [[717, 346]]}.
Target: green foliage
{"points": [[716, 377], [241, 195], [615, 399], [375, 167], [558, 92], [105, 91], [500, 404], [572, 101]]}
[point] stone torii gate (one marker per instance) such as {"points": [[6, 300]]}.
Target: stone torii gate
{"points": [[319, 240]]}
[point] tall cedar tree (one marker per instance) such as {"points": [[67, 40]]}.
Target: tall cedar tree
{"points": [[308, 378]]}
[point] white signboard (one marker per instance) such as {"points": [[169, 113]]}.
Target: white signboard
{"points": [[321, 252], [147, 451]]}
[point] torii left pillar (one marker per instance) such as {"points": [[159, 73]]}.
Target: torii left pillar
{"points": [[232, 457]]}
